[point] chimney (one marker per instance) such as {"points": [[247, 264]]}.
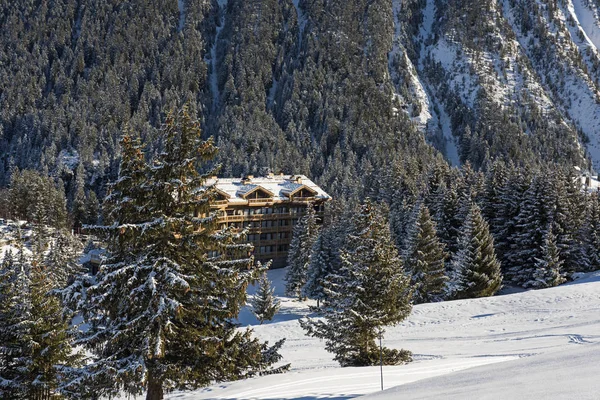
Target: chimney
{"points": [[246, 179]]}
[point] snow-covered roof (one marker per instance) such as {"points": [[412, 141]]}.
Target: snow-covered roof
{"points": [[280, 187]]}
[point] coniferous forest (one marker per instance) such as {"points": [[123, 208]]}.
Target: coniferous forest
{"points": [[458, 141]]}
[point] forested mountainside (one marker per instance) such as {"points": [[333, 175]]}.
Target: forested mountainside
{"points": [[339, 90]]}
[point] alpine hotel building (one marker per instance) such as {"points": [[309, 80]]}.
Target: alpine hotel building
{"points": [[269, 207]]}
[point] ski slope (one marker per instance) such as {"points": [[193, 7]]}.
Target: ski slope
{"points": [[533, 344]]}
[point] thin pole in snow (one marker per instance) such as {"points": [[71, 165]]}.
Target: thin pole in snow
{"points": [[381, 359]]}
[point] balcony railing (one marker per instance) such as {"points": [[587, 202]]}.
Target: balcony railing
{"points": [[260, 201]]}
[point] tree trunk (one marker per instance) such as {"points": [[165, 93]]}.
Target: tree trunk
{"points": [[155, 389]]}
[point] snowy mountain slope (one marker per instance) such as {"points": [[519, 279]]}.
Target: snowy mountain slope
{"points": [[542, 329], [534, 63], [558, 49], [588, 17]]}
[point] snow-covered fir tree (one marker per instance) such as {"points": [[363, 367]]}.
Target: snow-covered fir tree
{"points": [[424, 257], [548, 268], [264, 304], [324, 260], [535, 215], [52, 355], [448, 211], [569, 220], [491, 199], [15, 326], [161, 312], [303, 237], [505, 218], [475, 269], [589, 234], [61, 259], [36, 348], [369, 292]]}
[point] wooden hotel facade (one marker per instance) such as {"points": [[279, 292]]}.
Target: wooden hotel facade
{"points": [[268, 207]]}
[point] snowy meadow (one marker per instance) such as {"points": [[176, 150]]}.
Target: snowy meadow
{"points": [[530, 344]]}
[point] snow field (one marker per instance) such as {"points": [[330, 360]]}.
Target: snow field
{"points": [[525, 344]]}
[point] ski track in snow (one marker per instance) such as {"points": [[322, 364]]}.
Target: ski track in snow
{"points": [[539, 330]]}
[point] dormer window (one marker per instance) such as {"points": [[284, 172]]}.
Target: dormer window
{"points": [[299, 192]]}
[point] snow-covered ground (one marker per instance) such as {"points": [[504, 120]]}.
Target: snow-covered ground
{"points": [[534, 344]]}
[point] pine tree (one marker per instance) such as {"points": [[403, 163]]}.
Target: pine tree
{"points": [[535, 215], [16, 343], [36, 338], [447, 213], [369, 292], [324, 260], [511, 195], [476, 272], [492, 202], [52, 354], [61, 259], [589, 234], [570, 212], [424, 257], [161, 312], [303, 238], [264, 304], [548, 269], [79, 211]]}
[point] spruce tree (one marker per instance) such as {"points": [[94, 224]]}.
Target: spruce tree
{"points": [[589, 234], [476, 271], [264, 304], [303, 238], [424, 257], [548, 268], [505, 223], [61, 259], [535, 215], [161, 312], [16, 343], [36, 349], [570, 212], [52, 354], [447, 212], [324, 260], [369, 292]]}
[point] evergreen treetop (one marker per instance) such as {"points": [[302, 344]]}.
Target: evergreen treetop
{"points": [[424, 257], [475, 268], [368, 293], [161, 311]]}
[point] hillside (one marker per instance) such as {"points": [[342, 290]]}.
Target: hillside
{"points": [[507, 345], [329, 89]]}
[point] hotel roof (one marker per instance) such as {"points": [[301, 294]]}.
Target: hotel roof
{"points": [[279, 187]]}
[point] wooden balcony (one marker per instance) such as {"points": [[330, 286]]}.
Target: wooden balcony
{"points": [[260, 202], [303, 199]]}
